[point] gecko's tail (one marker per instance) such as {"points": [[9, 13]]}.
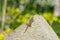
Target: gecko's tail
{"points": [[26, 29]]}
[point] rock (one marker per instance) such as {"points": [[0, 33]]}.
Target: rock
{"points": [[39, 30]]}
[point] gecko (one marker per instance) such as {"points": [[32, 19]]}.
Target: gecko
{"points": [[29, 24]]}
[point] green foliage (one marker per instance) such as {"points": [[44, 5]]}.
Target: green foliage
{"points": [[56, 27]]}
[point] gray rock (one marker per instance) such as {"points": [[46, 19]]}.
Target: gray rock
{"points": [[39, 30]]}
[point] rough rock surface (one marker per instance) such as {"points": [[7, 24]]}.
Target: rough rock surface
{"points": [[39, 30]]}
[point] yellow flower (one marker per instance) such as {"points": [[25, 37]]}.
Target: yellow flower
{"points": [[8, 30], [18, 20], [27, 15], [24, 19], [47, 15], [1, 36], [17, 10], [55, 18]]}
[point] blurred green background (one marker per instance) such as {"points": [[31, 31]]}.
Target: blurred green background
{"points": [[19, 11]]}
